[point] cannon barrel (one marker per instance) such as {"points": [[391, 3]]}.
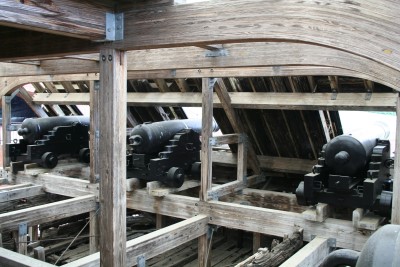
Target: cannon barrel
{"points": [[149, 138], [34, 128], [349, 154]]}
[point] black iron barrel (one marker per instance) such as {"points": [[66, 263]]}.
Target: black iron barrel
{"points": [[149, 138], [34, 128], [349, 154]]}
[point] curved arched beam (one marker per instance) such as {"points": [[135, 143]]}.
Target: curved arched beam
{"points": [[275, 55], [262, 54], [369, 28], [8, 85]]}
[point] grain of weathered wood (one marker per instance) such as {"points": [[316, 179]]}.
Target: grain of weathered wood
{"points": [[6, 135], [94, 232], [253, 219], [396, 178], [48, 212], [243, 100], [312, 22], [112, 171], [156, 242], [18, 193], [278, 164], [310, 255], [13, 259], [61, 17]]}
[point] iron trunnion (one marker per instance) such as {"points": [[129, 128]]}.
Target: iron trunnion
{"points": [[353, 171]]}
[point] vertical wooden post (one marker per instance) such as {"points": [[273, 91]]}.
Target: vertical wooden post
{"points": [[34, 233], [206, 161], [159, 221], [94, 87], [112, 170], [256, 242], [1, 240], [22, 233], [6, 135], [39, 253], [242, 160], [396, 175]]}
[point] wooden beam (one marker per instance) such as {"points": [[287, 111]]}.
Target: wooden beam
{"points": [[47, 213], [299, 58], [57, 17], [244, 100], [94, 229], [278, 164], [13, 259], [112, 171], [253, 219], [236, 123], [206, 161], [7, 194], [310, 255], [191, 25], [37, 109], [155, 243], [396, 175], [6, 122]]}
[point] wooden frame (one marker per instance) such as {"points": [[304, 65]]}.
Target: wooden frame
{"points": [[364, 49]]}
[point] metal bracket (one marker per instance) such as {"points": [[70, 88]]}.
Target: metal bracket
{"points": [[97, 85], [217, 53], [97, 134], [212, 83], [97, 178], [114, 26], [173, 73], [368, 95], [141, 261], [334, 94], [23, 228]]}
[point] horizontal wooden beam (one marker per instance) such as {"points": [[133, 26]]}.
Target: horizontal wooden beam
{"points": [[253, 219], [193, 61], [155, 243], [311, 254], [278, 164], [8, 194], [13, 259], [47, 213], [244, 100], [63, 17]]}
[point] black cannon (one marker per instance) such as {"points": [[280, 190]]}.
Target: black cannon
{"points": [[165, 151], [352, 171], [44, 139]]}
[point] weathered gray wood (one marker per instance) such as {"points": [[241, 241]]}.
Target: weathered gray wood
{"points": [[60, 17], [156, 242], [46, 213], [245, 100], [199, 19], [12, 194], [253, 219], [310, 255], [206, 161], [278, 254], [13, 259], [278, 164], [6, 135], [39, 253], [396, 178], [94, 232], [112, 171]]}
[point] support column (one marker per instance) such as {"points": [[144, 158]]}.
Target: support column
{"points": [[6, 135], [112, 152], [396, 175], [94, 87], [206, 161]]}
